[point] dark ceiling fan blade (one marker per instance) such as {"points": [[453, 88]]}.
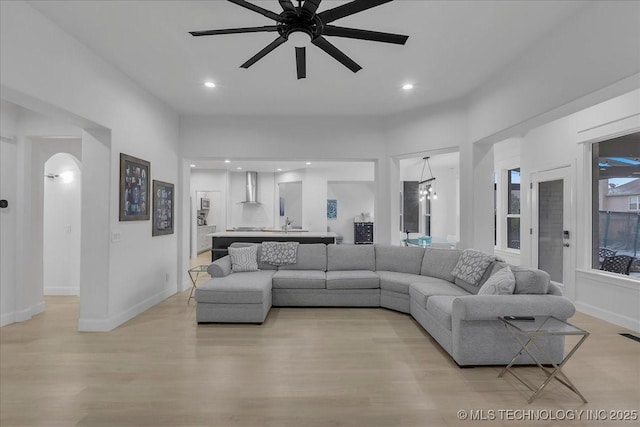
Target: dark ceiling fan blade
{"points": [[310, 6], [258, 9], [258, 56], [287, 6], [349, 9], [354, 33], [266, 28], [337, 54], [301, 62]]}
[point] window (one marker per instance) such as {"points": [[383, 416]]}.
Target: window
{"points": [[495, 208], [427, 215], [616, 204], [513, 209]]}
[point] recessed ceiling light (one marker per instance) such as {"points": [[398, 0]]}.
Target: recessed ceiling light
{"points": [[308, 163], [407, 86], [279, 169], [192, 165], [227, 161], [210, 85], [239, 168]]}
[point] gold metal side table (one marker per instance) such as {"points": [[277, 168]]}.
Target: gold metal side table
{"points": [[194, 273], [542, 327]]}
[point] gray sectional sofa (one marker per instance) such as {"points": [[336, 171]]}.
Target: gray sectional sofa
{"points": [[411, 280]]}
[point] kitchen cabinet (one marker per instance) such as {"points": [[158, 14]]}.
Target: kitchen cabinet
{"points": [[204, 241]]}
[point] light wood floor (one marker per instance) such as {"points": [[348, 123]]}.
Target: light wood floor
{"points": [[303, 367]]}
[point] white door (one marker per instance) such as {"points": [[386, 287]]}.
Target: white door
{"points": [[552, 231]]}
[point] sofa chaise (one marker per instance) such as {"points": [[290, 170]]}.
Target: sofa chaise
{"points": [[424, 283]]}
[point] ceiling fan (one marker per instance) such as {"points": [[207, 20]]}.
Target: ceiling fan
{"points": [[302, 22]]}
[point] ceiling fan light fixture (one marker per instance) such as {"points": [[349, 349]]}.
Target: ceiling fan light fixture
{"points": [[299, 38]]}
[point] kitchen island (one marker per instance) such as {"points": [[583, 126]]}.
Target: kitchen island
{"points": [[222, 240]]}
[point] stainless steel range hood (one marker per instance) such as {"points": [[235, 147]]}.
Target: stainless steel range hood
{"points": [[252, 188]]}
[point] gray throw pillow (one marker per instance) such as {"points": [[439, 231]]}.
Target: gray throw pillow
{"points": [[279, 253], [472, 265], [244, 259], [501, 283]]}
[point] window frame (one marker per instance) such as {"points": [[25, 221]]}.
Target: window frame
{"points": [[502, 214]]}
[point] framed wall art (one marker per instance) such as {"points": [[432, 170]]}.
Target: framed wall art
{"points": [[134, 188], [162, 208], [332, 208]]}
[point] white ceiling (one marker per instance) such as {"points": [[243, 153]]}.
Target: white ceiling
{"points": [[453, 47]]}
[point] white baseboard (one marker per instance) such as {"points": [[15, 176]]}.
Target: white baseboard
{"points": [[22, 315], [609, 316], [62, 290], [109, 324], [7, 319]]}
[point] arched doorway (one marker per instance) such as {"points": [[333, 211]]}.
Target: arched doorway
{"points": [[62, 225]]}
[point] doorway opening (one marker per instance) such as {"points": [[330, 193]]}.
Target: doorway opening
{"points": [[62, 219]]}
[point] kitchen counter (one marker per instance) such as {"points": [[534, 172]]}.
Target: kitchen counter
{"points": [[273, 233], [222, 240]]}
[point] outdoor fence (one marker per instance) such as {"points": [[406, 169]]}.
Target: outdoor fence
{"points": [[620, 231]]}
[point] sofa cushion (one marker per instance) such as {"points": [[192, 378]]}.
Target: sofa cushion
{"points": [[421, 292], [353, 279], [439, 263], [398, 258], [244, 259], [530, 280], [472, 265], [350, 257], [440, 307], [237, 288], [261, 265], [311, 256], [501, 283], [299, 279], [399, 282]]}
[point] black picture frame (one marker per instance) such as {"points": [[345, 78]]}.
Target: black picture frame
{"points": [[162, 208], [134, 188]]}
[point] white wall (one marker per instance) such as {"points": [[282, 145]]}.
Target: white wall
{"points": [[354, 198], [8, 119], [8, 225], [61, 230], [46, 69], [251, 214], [8, 216]]}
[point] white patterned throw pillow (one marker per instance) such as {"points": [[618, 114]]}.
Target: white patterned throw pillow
{"points": [[503, 282], [472, 265], [244, 259]]}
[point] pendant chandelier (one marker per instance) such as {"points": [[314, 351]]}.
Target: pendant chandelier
{"points": [[427, 186]]}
